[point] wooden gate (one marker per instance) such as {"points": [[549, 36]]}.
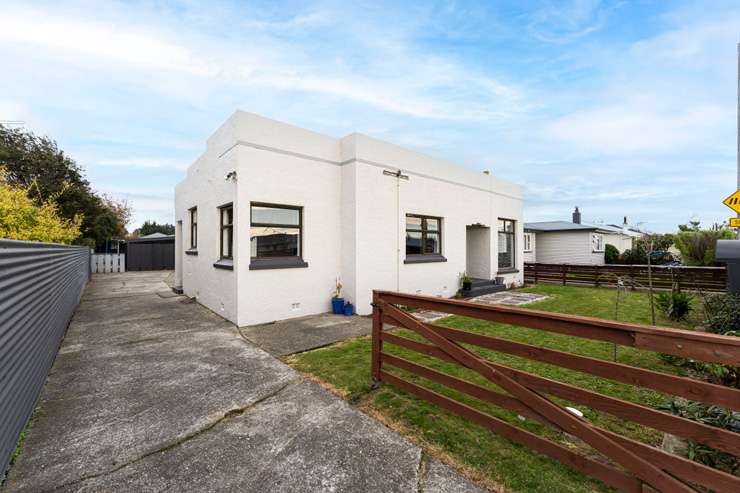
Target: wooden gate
{"points": [[108, 262], [630, 465]]}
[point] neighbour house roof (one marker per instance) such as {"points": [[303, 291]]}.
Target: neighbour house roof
{"points": [[608, 228], [548, 226], [154, 235]]}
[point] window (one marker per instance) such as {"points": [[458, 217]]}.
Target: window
{"points": [[527, 242], [227, 231], [597, 242], [276, 238], [193, 228], [506, 243], [423, 239]]}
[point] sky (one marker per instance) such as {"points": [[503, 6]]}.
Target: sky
{"points": [[623, 108]]}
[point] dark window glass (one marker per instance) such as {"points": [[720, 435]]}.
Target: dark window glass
{"points": [[227, 231], [194, 227], [506, 232], [423, 235], [275, 231]]}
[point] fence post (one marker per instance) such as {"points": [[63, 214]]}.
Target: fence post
{"points": [[596, 278], [377, 343], [564, 269], [536, 270]]}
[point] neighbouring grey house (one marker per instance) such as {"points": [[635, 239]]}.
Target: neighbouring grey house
{"points": [[563, 242]]}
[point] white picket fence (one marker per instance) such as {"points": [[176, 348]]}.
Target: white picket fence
{"points": [[108, 262]]}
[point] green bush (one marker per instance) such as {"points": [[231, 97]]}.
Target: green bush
{"points": [[722, 313], [611, 254], [697, 246], [674, 305]]}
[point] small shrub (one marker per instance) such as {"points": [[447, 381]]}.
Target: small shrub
{"points": [[722, 313], [712, 416], [611, 254], [674, 305]]}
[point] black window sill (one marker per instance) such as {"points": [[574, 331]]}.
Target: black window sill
{"points": [[507, 271], [192, 251], [277, 263], [423, 259], [225, 263]]}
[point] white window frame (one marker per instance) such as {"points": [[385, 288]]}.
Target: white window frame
{"points": [[527, 242], [597, 242]]}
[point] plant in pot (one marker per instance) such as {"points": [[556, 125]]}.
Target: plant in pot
{"points": [[466, 282], [337, 302]]}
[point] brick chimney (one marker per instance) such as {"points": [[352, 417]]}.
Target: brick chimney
{"points": [[577, 216]]}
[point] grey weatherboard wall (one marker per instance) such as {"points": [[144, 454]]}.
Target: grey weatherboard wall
{"points": [[40, 287]]}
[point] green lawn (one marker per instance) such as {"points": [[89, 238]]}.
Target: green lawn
{"points": [[346, 366]]}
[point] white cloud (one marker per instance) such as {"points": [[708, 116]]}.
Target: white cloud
{"points": [[632, 127], [440, 88]]}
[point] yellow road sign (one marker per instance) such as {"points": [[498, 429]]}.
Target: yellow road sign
{"points": [[735, 222], [733, 201]]}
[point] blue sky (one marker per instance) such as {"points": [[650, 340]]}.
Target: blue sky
{"points": [[622, 108]]}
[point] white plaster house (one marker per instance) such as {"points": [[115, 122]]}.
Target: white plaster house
{"points": [[271, 214]]}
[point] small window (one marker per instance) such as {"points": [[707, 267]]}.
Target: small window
{"points": [[423, 235], [527, 242], [275, 231], [227, 231], [597, 242], [194, 228], [506, 244]]}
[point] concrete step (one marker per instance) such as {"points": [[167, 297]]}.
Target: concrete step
{"points": [[477, 283], [480, 290]]}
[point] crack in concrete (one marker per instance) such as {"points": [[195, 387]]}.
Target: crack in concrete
{"points": [[421, 472], [227, 415]]}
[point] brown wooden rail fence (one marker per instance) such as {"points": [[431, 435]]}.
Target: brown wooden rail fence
{"points": [[685, 277], [632, 465]]}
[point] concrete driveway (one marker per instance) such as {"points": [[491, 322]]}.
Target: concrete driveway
{"points": [[152, 392]]}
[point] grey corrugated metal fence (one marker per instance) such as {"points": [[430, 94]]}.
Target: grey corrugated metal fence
{"points": [[40, 287]]}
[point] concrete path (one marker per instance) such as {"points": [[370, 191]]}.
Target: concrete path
{"points": [[152, 393]]}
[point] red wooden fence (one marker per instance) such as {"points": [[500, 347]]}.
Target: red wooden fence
{"points": [[631, 465], [636, 276]]}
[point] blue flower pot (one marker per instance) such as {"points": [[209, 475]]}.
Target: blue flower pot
{"points": [[349, 309], [337, 305]]}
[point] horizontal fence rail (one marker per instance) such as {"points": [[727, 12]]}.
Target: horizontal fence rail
{"points": [[40, 287], [634, 276], [627, 464]]}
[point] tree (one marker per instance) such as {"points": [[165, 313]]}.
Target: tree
{"points": [[150, 227], [697, 245], [22, 219], [36, 164]]}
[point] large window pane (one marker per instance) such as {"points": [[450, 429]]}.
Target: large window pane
{"points": [[423, 235], [413, 222], [413, 243], [506, 240], [271, 241], [431, 244], [226, 238], [275, 215]]}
